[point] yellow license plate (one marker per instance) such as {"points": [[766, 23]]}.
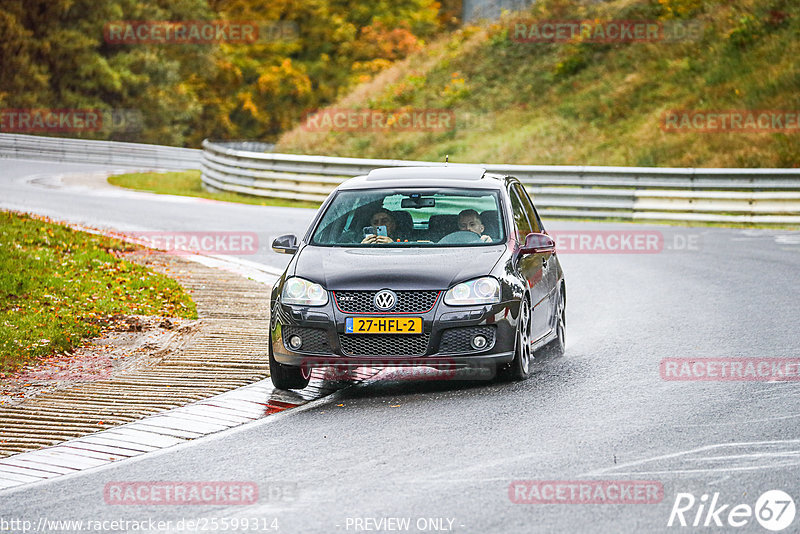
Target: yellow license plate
{"points": [[383, 325]]}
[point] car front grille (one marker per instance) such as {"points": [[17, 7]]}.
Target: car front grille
{"points": [[384, 344], [457, 340], [407, 301], [315, 340]]}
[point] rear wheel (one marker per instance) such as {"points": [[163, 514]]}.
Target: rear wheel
{"points": [[287, 376], [520, 366]]}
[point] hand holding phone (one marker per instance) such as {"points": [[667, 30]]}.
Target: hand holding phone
{"points": [[375, 234], [375, 230]]}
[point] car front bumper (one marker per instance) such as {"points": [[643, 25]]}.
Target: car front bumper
{"points": [[444, 343]]}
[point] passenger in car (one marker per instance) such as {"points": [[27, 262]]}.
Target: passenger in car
{"points": [[468, 220], [383, 217]]}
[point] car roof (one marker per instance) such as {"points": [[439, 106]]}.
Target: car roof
{"points": [[459, 176]]}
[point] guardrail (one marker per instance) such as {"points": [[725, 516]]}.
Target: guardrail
{"points": [[103, 152], [764, 196]]}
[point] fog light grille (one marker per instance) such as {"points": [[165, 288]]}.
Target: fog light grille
{"points": [[315, 340], [458, 340]]}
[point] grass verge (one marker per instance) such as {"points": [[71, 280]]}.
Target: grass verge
{"points": [[189, 184], [59, 287]]}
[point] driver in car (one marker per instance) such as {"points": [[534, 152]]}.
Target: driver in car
{"points": [[470, 221], [382, 217]]}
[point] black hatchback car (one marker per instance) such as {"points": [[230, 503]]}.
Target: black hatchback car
{"points": [[418, 266]]}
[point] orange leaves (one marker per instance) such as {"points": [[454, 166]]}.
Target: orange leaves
{"points": [[379, 42], [247, 104]]}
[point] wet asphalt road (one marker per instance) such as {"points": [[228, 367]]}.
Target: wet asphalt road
{"points": [[450, 449]]}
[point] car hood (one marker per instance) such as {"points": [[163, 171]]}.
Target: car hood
{"points": [[397, 268]]}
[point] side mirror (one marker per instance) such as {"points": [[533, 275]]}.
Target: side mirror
{"points": [[285, 244], [536, 243]]}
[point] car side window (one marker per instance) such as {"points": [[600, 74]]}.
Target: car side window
{"points": [[521, 222], [539, 220], [533, 216]]}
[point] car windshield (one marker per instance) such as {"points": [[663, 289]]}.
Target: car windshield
{"points": [[422, 217]]}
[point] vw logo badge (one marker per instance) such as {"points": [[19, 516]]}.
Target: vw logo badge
{"points": [[385, 299]]}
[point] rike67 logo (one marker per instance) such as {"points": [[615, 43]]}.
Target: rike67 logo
{"points": [[774, 510]]}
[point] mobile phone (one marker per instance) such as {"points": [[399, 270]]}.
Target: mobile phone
{"points": [[375, 230]]}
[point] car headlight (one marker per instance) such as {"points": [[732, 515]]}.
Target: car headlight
{"points": [[300, 291], [484, 290]]}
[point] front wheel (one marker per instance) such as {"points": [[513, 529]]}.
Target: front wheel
{"points": [[287, 376], [560, 342], [520, 366]]}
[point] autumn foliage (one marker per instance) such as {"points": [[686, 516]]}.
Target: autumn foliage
{"points": [[54, 54]]}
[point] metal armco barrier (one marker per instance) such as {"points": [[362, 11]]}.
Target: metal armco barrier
{"points": [[764, 196], [102, 152]]}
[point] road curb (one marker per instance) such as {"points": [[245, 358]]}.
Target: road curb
{"points": [[215, 383]]}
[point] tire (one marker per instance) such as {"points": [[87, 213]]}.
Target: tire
{"points": [[559, 345], [520, 366], [287, 376]]}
